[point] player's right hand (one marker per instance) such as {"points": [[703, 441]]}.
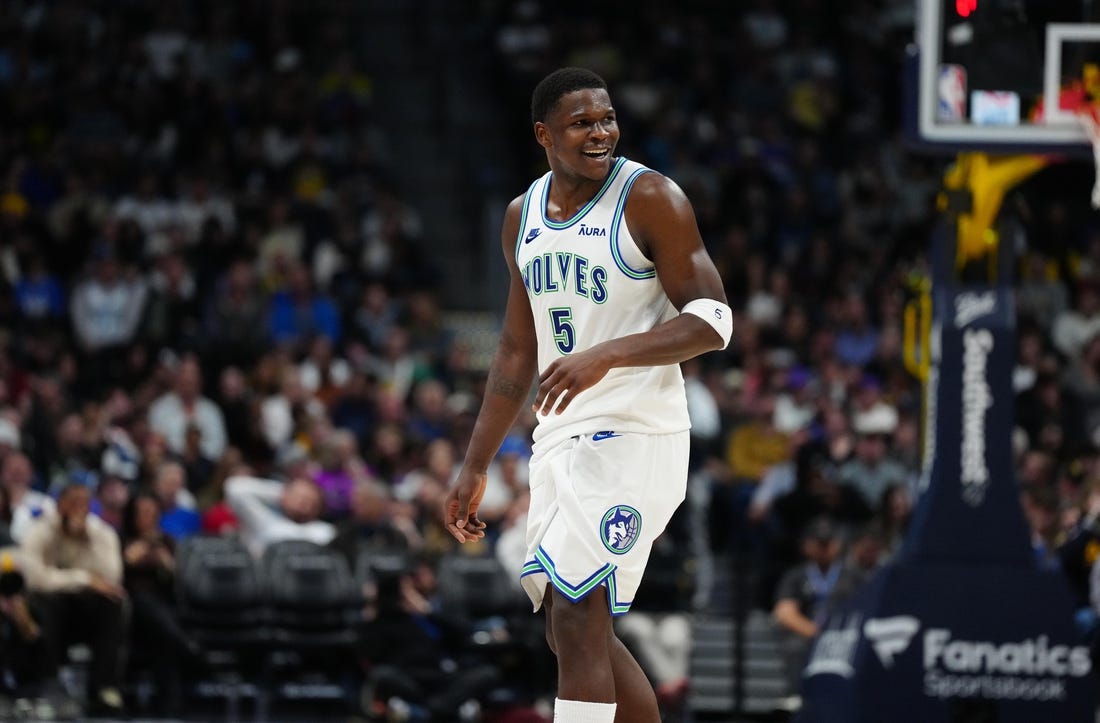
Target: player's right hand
{"points": [[460, 507]]}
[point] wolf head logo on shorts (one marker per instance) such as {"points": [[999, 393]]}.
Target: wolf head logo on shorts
{"points": [[620, 527]]}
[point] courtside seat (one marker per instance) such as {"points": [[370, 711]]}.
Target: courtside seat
{"points": [[311, 595], [219, 591], [372, 561], [497, 614], [478, 586], [313, 608], [220, 599], [500, 629]]}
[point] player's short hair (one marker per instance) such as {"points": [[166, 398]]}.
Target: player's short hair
{"points": [[559, 83]]}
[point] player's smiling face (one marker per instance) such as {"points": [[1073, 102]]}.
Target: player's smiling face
{"points": [[582, 133]]}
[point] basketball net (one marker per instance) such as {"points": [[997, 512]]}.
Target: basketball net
{"points": [[1088, 114]]}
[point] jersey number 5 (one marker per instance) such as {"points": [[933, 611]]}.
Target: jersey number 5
{"points": [[561, 321]]}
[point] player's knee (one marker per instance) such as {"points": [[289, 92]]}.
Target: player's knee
{"points": [[581, 624]]}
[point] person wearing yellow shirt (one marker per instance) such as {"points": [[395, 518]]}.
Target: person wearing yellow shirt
{"points": [[756, 445], [752, 448]]}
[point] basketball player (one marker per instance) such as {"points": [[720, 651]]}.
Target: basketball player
{"points": [[611, 288]]}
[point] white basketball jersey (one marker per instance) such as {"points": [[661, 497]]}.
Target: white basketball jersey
{"points": [[588, 282]]}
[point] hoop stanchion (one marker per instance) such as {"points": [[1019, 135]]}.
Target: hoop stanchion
{"points": [[930, 638]]}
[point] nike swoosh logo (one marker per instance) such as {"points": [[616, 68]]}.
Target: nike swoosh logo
{"points": [[534, 234], [600, 436]]}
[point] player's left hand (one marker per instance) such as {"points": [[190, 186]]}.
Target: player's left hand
{"points": [[567, 377], [461, 504]]}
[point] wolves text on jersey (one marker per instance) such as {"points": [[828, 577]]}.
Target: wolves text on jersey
{"points": [[562, 271]]}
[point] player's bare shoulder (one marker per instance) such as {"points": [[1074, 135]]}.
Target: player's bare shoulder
{"points": [[658, 209], [510, 226], [514, 211]]}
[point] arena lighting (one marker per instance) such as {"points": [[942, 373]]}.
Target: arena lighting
{"points": [[965, 7]]}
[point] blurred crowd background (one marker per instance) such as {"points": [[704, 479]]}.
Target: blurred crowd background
{"points": [[229, 308]]}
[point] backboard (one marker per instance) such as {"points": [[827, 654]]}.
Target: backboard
{"points": [[1004, 75]]}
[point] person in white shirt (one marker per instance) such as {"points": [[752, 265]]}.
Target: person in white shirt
{"points": [[201, 204], [73, 565], [271, 511], [147, 206], [172, 413], [26, 504], [1073, 327], [106, 306]]}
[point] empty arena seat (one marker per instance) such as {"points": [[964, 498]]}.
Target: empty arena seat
{"points": [[479, 586], [373, 563], [313, 608], [220, 601], [311, 595], [218, 589]]}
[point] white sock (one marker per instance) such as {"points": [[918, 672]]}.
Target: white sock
{"points": [[581, 711]]}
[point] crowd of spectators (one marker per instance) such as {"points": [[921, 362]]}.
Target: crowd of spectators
{"points": [[213, 318], [215, 322]]}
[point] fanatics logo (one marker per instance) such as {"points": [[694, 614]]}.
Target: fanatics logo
{"points": [[890, 637]]}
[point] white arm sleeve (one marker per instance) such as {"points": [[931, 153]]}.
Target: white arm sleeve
{"points": [[715, 313]]}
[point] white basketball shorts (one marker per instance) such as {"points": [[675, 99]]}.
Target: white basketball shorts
{"points": [[598, 501]]}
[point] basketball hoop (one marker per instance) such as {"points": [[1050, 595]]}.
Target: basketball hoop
{"points": [[1088, 115]]}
